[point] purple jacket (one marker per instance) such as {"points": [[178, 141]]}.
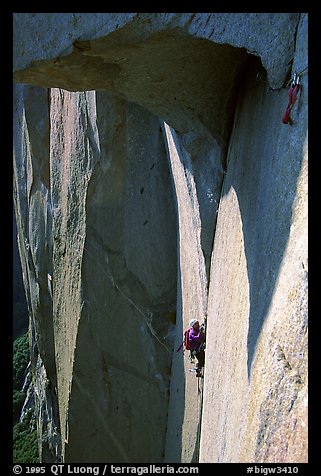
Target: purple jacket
{"points": [[195, 338]]}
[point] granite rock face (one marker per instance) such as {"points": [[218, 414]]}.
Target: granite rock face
{"points": [[113, 276], [160, 61], [257, 308], [154, 182], [20, 317]]}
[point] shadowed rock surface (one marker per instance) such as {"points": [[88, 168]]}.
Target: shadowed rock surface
{"points": [[20, 317], [155, 183]]}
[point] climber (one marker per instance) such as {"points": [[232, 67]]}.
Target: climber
{"points": [[196, 339], [294, 90]]}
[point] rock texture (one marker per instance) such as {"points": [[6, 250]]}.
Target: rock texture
{"points": [[198, 185], [257, 310], [130, 226], [32, 201], [20, 318], [113, 276], [131, 55], [268, 35], [126, 288]]}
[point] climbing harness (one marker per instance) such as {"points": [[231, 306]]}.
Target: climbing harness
{"points": [[295, 88]]}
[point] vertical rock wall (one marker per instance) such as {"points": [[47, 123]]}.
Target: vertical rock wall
{"points": [[112, 275], [197, 179], [98, 234], [255, 393], [32, 199], [117, 397], [20, 317]]}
